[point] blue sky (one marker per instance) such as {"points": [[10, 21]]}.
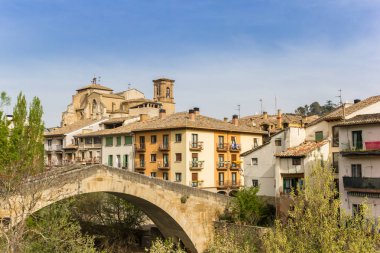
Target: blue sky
{"points": [[221, 53]]}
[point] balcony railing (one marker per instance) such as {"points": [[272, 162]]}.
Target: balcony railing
{"points": [[196, 183], [196, 165], [235, 147], [371, 148], [196, 146], [164, 147], [222, 147], [362, 183], [235, 166], [140, 165], [163, 166], [227, 184], [140, 147], [222, 165]]}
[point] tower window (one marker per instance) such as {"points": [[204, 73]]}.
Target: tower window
{"points": [[168, 92]]}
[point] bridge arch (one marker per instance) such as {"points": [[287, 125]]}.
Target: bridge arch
{"points": [[178, 211]]}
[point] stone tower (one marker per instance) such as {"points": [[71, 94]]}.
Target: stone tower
{"points": [[163, 93]]}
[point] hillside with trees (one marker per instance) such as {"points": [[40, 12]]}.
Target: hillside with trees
{"points": [[316, 109]]}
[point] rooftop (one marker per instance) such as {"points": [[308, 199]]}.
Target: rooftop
{"points": [[178, 121], [301, 150], [95, 86], [337, 114], [362, 119], [70, 128]]}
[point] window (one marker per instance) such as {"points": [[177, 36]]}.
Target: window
{"points": [[88, 140], [142, 160], [255, 183], [61, 142], [168, 92], [178, 157], [356, 170], [118, 141], [319, 136], [118, 161], [165, 158], [49, 143], [254, 161], [178, 137], [125, 161], [142, 139], [153, 139], [335, 156], [234, 160], [194, 179], [153, 158], [153, 174], [277, 142], [97, 140], [234, 178], [296, 161], [128, 140], [335, 142], [165, 176], [357, 141], [165, 140], [178, 177], [221, 178], [221, 161], [109, 141], [292, 183], [110, 160], [356, 209], [255, 142], [221, 141]]}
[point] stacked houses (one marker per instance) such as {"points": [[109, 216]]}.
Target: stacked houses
{"points": [[275, 152]]}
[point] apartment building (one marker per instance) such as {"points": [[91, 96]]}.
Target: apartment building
{"points": [[359, 162], [60, 146], [195, 150]]}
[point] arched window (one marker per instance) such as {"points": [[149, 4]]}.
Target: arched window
{"points": [[94, 106], [168, 92]]}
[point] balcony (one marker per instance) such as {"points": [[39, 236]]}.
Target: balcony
{"points": [[164, 147], [235, 147], [196, 165], [196, 146], [140, 165], [227, 184], [222, 147], [362, 184], [222, 165], [140, 147], [163, 166], [196, 183], [235, 165], [372, 148]]}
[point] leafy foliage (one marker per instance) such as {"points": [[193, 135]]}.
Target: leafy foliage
{"points": [[249, 209], [316, 109], [53, 229], [165, 246], [316, 224]]}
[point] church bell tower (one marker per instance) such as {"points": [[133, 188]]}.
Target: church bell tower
{"points": [[163, 93]]}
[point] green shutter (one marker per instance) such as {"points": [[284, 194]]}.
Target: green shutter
{"points": [[118, 140], [319, 136], [109, 141], [110, 160], [125, 161], [128, 140]]}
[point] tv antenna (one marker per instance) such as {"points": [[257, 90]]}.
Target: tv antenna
{"points": [[340, 96], [238, 109], [261, 105]]}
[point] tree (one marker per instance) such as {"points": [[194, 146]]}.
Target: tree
{"points": [[316, 224], [249, 209], [165, 246], [315, 109], [53, 229]]}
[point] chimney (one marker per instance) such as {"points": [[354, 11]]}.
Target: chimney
{"points": [[192, 115], [356, 101], [235, 120], [196, 110], [225, 119], [279, 119], [143, 117], [162, 113], [265, 114]]}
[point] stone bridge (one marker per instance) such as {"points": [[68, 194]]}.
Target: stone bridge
{"points": [[178, 211]]}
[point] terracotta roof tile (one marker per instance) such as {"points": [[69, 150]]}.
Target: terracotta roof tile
{"points": [[178, 120], [95, 86], [301, 150], [337, 114], [362, 120], [70, 128]]}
